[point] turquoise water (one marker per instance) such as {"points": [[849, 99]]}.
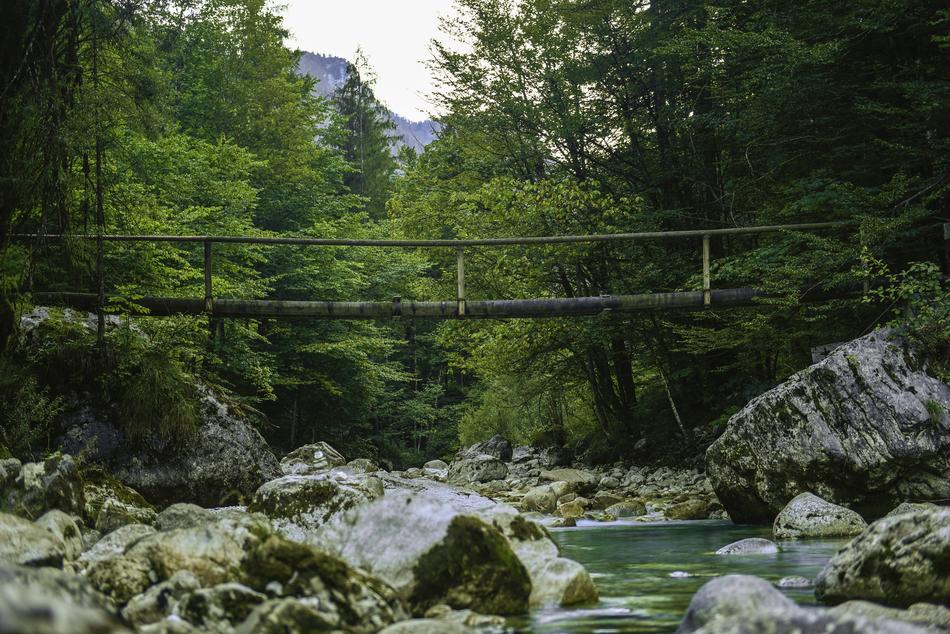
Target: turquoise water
{"points": [[631, 565]]}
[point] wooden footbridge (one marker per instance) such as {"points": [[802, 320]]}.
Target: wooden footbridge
{"points": [[457, 308]]}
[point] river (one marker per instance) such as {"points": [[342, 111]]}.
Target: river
{"points": [[632, 565]]}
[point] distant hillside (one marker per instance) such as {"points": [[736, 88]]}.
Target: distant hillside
{"points": [[330, 72]]}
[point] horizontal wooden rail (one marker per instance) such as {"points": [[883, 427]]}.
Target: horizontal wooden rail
{"points": [[490, 309], [485, 242]]}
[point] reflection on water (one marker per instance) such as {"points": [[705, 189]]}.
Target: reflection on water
{"points": [[639, 571]]}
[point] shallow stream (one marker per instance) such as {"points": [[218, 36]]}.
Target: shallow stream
{"points": [[632, 565]]}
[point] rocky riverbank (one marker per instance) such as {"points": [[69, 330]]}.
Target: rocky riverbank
{"points": [[327, 546], [552, 490]]}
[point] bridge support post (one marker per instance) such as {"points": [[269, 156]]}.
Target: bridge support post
{"points": [[209, 298], [460, 295], [707, 275]]}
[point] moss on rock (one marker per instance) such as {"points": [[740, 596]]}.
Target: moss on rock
{"points": [[472, 567]]}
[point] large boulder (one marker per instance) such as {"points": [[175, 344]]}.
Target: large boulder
{"points": [[496, 447], [899, 560], [300, 504], [224, 463], [807, 515], [432, 553], [477, 468], [866, 427], [310, 459], [741, 604]]}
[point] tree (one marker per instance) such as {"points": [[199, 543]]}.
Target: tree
{"points": [[367, 141]]}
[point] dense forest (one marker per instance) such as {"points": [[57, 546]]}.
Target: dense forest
{"points": [[557, 117]]}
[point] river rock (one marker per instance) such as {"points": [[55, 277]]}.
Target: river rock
{"points": [[311, 459], [219, 608], [115, 543], [855, 428], [300, 504], [627, 508], [64, 527], [603, 499], [48, 601], [580, 482], [496, 447], [541, 499], [695, 509], [732, 596], [807, 515], [922, 614], [109, 504], [161, 600], [742, 604], [432, 553], [213, 553], [24, 543], [898, 560], [437, 469], [555, 580], [362, 465], [426, 626], [572, 510], [477, 468], [794, 582], [315, 591], [911, 507], [38, 487], [749, 546]]}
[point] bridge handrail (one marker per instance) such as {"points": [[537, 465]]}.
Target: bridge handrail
{"points": [[458, 245], [449, 243]]}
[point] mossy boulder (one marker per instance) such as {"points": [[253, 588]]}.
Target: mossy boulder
{"points": [[213, 553], [55, 483], [311, 459], [432, 553], [857, 429], [807, 515], [300, 504], [897, 561], [317, 589], [110, 504]]}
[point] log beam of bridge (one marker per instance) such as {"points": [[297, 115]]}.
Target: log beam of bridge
{"points": [[474, 309]]}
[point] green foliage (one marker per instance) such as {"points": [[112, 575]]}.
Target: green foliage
{"points": [[936, 410], [919, 298], [28, 415]]}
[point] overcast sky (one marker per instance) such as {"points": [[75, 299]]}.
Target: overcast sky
{"points": [[394, 35]]}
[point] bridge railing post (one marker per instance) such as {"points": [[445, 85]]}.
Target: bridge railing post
{"points": [[707, 274], [209, 297], [460, 295]]}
